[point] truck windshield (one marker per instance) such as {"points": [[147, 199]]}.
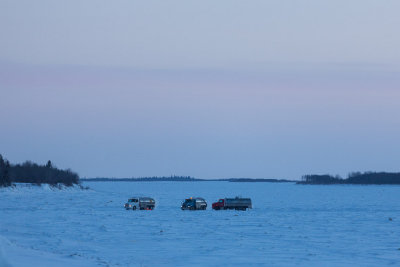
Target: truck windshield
{"points": [[220, 201]]}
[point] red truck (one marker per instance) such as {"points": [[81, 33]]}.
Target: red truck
{"points": [[237, 203]]}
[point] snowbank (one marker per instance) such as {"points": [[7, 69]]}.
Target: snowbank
{"points": [[289, 226], [27, 187], [11, 255], [3, 243]]}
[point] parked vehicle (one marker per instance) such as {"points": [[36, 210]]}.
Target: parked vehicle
{"points": [[194, 203], [140, 203], [237, 203]]}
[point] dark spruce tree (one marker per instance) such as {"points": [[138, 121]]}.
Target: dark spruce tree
{"points": [[49, 165], [4, 172]]}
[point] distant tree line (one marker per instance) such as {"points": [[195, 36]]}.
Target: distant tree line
{"points": [[175, 178], [29, 172], [145, 179], [321, 179], [353, 178], [256, 180]]}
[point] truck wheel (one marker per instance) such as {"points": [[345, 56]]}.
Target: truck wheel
{"points": [[134, 208]]}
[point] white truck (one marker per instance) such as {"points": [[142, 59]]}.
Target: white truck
{"points": [[140, 203]]}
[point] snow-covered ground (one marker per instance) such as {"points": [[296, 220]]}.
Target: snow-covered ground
{"points": [[338, 225]]}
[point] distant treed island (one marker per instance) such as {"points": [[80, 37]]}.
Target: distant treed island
{"points": [[29, 172], [377, 178]]}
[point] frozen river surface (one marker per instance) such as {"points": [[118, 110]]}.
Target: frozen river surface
{"points": [[289, 225]]}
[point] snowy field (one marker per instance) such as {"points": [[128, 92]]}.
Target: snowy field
{"points": [[290, 225]]}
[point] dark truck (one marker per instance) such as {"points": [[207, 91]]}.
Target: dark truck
{"points": [[194, 203], [237, 203]]}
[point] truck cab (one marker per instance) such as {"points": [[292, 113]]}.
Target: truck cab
{"points": [[219, 204], [133, 203]]}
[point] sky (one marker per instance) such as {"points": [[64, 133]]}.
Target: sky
{"points": [[210, 89]]}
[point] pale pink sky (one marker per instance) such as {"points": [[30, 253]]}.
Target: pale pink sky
{"points": [[211, 89]]}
